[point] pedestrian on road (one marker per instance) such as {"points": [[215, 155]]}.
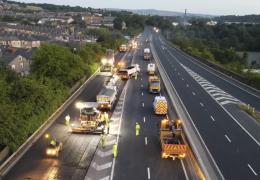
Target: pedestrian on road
{"points": [[137, 129], [115, 150], [103, 140], [106, 118]]}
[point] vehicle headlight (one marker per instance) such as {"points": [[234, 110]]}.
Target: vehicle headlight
{"points": [[103, 61]]}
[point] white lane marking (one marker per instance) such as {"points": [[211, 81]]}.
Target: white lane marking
{"points": [[142, 93], [202, 105], [187, 85], [250, 167], [145, 139], [143, 104], [148, 173], [193, 93], [105, 178], [228, 138], [212, 118], [144, 119], [142, 85], [227, 102], [141, 79], [184, 170], [178, 73], [182, 79]]}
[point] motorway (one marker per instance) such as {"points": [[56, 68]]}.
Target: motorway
{"points": [[231, 136], [140, 157], [78, 149]]}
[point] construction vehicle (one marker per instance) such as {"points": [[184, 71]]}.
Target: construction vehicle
{"points": [[106, 97], [128, 72], [172, 144], [121, 65], [54, 148], [123, 48], [160, 105], [90, 120], [147, 54], [151, 69], [107, 63], [154, 84]]}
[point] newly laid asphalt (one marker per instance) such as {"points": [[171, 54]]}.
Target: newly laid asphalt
{"points": [[78, 150]]}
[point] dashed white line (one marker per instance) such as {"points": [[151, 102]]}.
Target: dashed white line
{"points": [[250, 167], [142, 85], [141, 79], [212, 118], [187, 85], [202, 105], [143, 104], [142, 93], [179, 74], [193, 93], [228, 138], [148, 173], [182, 79], [145, 139]]}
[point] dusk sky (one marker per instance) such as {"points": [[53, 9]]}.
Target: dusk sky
{"points": [[216, 7]]}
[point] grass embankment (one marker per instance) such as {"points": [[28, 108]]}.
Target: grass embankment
{"points": [[251, 111]]}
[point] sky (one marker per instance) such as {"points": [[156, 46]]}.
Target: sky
{"points": [[213, 7]]}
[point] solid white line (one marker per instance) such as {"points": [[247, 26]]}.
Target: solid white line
{"points": [[145, 139], [184, 170], [193, 93], [148, 173], [227, 138], [202, 105], [252, 169], [144, 119], [143, 104], [212, 118]]}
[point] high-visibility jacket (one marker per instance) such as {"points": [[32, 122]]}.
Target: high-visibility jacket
{"points": [[115, 150]]}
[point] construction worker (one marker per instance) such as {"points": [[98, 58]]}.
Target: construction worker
{"points": [[53, 142], [103, 140], [115, 150], [136, 76], [137, 129], [67, 120], [106, 118]]}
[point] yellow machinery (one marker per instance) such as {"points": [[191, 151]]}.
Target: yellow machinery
{"points": [[171, 140]]}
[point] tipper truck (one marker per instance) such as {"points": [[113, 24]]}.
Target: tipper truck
{"points": [[106, 97], [160, 105], [147, 54], [90, 120], [154, 84], [128, 72], [151, 69], [172, 144]]}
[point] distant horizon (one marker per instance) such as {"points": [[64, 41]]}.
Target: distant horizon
{"points": [[231, 7]]}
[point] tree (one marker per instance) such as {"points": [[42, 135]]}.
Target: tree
{"points": [[118, 23]]}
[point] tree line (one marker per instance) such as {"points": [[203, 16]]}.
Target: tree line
{"points": [[27, 102]]}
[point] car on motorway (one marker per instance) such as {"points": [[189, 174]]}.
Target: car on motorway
{"points": [[54, 149]]}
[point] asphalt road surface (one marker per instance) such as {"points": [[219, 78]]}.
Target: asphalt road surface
{"points": [[230, 135], [78, 149], [140, 157]]}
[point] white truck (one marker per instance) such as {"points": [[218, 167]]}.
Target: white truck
{"points": [[106, 97], [147, 54], [151, 69], [128, 72]]}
